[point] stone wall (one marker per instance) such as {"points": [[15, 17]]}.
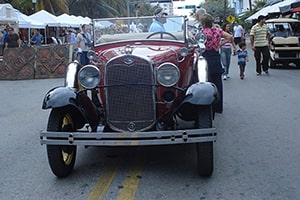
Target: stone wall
{"points": [[35, 62]]}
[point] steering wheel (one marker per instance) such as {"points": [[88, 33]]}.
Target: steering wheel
{"points": [[161, 35]]}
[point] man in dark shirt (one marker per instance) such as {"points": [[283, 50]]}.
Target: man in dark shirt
{"points": [[12, 39]]}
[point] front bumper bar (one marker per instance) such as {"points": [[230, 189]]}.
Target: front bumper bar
{"points": [[129, 139]]}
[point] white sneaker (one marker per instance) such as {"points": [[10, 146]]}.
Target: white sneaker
{"points": [[224, 77]]}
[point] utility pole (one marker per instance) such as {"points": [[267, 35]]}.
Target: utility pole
{"points": [[250, 5], [33, 2], [128, 7], [225, 8]]}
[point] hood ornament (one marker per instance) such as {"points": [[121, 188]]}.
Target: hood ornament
{"points": [[128, 49]]}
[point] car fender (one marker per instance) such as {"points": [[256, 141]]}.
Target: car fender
{"points": [[59, 97], [201, 93]]}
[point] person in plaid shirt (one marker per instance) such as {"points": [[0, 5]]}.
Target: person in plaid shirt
{"points": [[212, 55]]}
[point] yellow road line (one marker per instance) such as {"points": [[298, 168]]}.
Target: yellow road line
{"points": [[131, 182], [103, 183]]}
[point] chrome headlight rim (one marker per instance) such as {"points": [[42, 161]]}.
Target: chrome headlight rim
{"points": [[184, 52], [168, 74], [91, 54], [89, 76]]}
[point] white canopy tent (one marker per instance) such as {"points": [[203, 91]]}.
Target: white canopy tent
{"points": [[63, 20], [82, 20], [46, 17], [8, 15], [270, 9], [71, 21], [26, 22]]}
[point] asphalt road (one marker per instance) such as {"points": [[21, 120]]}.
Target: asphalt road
{"points": [[257, 153]]}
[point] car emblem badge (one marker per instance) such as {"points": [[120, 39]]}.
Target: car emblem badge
{"points": [[131, 127], [128, 49], [128, 61]]}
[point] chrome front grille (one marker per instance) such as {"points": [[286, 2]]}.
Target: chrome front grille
{"points": [[130, 99]]}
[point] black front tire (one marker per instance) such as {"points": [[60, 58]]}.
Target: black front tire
{"points": [[205, 152], [61, 157]]}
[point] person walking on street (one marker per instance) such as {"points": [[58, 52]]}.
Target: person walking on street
{"points": [[239, 32], [226, 51], [83, 41], [242, 55], [260, 42], [12, 39], [212, 55], [37, 39]]}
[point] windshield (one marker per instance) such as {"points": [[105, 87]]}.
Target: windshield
{"points": [[117, 29], [279, 27], [288, 28]]}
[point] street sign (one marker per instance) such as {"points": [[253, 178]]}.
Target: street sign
{"points": [[230, 18]]}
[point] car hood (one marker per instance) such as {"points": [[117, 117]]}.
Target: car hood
{"points": [[156, 53]]}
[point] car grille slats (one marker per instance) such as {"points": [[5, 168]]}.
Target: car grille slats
{"points": [[130, 100]]}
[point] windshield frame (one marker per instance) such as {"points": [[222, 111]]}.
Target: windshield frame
{"points": [[101, 28]]}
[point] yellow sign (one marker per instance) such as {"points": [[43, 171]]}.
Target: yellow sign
{"points": [[230, 18]]}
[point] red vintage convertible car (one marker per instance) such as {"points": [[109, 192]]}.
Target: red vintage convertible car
{"points": [[140, 88]]}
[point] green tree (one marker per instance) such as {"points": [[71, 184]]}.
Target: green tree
{"points": [[108, 8], [90, 8], [218, 8], [142, 9], [98, 8], [24, 6], [54, 7], [256, 6]]}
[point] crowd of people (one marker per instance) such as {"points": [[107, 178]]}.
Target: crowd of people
{"points": [[10, 38], [222, 43]]}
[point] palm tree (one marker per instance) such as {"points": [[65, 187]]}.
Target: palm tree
{"points": [[54, 7], [98, 8]]}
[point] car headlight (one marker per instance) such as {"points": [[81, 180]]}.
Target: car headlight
{"points": [[89, 76], [168, 74], [184, 52], [91, 54]]}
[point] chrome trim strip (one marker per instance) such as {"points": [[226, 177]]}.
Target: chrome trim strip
{"points": [[129, 139], [202, 69], [71, 74]]}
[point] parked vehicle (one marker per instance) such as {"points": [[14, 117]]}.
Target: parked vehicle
{"points": [[285, 48], [139, 89]]}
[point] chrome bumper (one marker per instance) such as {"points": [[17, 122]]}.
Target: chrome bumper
{"points": [[129, 139]]}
